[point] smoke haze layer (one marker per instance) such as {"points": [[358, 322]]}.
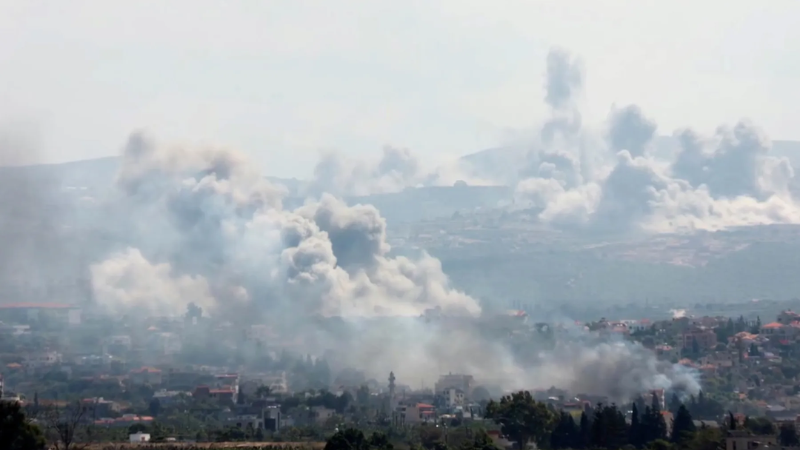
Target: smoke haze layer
{"points": [[200, 226]]}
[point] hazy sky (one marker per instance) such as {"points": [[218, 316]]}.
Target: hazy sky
{"points": [[282, 80]]}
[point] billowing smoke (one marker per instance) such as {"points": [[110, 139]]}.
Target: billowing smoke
{"points": [[619, 370], [206, 214], [200, 226], [397, 169], [615, 184]]}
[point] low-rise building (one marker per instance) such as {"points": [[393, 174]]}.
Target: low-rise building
{"points": [[706, 339], [145, 375]]}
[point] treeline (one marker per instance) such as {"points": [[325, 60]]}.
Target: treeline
{"points": [[524, 420], [199, 447]]}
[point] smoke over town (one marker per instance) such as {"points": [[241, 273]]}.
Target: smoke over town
{"points": [[187, 227], [202, 227]]}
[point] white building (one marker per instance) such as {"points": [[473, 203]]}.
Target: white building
{"points": [[139, 437]]}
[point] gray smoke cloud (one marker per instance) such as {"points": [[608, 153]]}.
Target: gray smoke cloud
{"points": [[611, 182], [200, 226], [396, 169]]}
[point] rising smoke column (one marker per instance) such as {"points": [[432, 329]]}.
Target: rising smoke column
{"points": [[614, 184]]}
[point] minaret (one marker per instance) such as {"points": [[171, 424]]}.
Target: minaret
{"points": [[392, 403], [1, 385]]}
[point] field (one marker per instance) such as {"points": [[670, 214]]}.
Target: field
{"points": [[211, 445]]}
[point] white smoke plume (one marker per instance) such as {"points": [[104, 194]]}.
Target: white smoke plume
{"points": [[615, 184]]}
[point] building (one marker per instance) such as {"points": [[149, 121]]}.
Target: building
{"points": [[743, 440], [465, 383], [787, 317], [413, 414], [667, 352], [139, 437], [100, 407], [706, 339], [228, 381], [42, 359], [780, 331], [166, 398], [145, 375], [454, 397], [224, 395]]}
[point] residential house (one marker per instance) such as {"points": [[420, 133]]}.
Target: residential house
{"points": [[166, 398], [100, 407], [145, 375], [787, 317], [41, 360], [125, 421], [743, 440], [228, 381], [225, 395], [458, 381], [454, 397], [322, 414], [139, 437], [667, 352], [777, 330], [417, 413], [706, 338]]}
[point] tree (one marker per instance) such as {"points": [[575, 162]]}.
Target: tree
{"points": [[635, 435], [707, 438], [380, 441], [481, 441], [683, 426], [16, 431], [759, 425], [653, 426], [347, 439], [62, 425], [154, 407], [787, 435], [566, 433], [674, 403], [521, 418], [263, 391], [609, 429], [585, 431]]}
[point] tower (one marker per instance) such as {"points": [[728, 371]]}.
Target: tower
{"points": [[1, 385], [391, 403], [391, 384]]}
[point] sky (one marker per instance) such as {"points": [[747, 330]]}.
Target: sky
{"points": [[284, 80]]}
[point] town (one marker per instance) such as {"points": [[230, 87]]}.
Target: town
{"points": [[134, 379]]}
